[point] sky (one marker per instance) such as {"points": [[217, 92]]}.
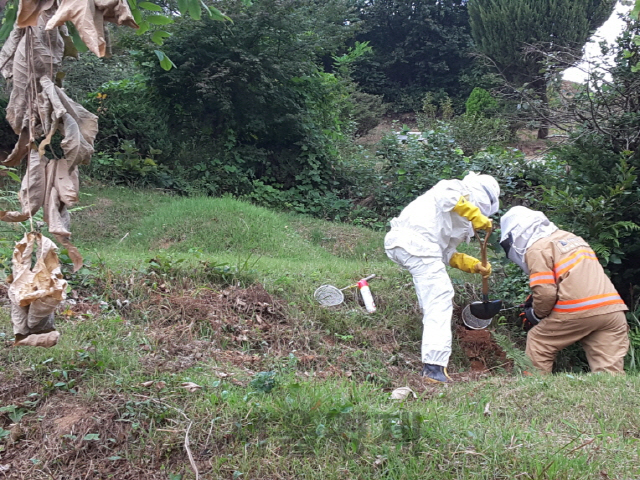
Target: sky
{"points": [[608, 31]]}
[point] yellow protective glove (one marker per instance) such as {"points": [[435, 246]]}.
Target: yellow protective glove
{"points": [[472, 213], [469, 264]]}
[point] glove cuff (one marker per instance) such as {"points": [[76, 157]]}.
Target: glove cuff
{"points": [[464, 262], [468, 210], [531, 315]]}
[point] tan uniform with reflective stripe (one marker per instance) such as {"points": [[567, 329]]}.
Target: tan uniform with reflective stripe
{"points": [[577, 302]]}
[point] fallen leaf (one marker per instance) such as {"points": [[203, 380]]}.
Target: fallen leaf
{"points": [[160, 385], [147, 384], [190, 386], [380, 459], [402, 393], [45, 340]]}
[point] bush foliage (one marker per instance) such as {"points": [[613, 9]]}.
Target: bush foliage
{"points": [[266, 107], [480, 102]]}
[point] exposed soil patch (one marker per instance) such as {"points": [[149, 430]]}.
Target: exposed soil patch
{"points": [[77, 309], [72, 439], [387, 124], [482, 351], [15, 387]]}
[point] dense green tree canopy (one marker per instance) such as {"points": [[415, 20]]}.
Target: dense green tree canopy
{"points": [[258, 82], [240, 74], [418, 46]]}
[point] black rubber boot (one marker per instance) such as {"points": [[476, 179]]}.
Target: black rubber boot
{"points": [[435, 373]]}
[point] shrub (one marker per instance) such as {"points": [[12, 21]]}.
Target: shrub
{"points": [[480, 102], [367, 111], [605, 214], [380, 185], [253, 91], [127, 166], [326, 205], [476, 132], [88, 73], [129, 110]]}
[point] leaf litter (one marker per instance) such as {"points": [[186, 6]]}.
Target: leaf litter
{"points": [[233, 332]]}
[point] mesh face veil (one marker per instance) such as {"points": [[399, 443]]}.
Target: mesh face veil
{"points": [[521, 227], [484, 192], [514, 253], [493, 200]]}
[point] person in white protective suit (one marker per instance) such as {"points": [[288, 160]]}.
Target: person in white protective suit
{"points": [[424, 238]]}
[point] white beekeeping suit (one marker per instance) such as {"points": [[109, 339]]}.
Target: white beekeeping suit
{"points": [[424, 237]]}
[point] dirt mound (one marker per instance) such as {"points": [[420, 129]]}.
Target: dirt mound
{"points": [[99, 438], [67, 435], [199, 325], [249, 329], [483, 352]]}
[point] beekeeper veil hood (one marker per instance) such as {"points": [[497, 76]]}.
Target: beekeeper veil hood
{"points": [[521, 227], [485, 192]]}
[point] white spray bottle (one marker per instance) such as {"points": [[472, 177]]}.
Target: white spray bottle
{"points": [[365, 291]]}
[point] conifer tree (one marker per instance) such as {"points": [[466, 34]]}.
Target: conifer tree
{"points": [[502, 29], [418, 46]]}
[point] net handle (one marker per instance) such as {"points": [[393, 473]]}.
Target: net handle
{"points": [[355, 284]]}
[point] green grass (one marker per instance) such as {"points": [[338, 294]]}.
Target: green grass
{"points": [[565, 426], [115, 380]]}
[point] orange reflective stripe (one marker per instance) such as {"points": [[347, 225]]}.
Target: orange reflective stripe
{"points": [[587, 303], [570, 262], [541, 278]]}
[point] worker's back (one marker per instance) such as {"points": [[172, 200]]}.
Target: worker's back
{"points": [[568, 279], [428, 227]]}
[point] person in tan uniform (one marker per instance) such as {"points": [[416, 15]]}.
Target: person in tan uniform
{"points": [[572, 298]]}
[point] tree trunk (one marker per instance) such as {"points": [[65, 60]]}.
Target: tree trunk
{"points": [[540, 87], [543, 132]]}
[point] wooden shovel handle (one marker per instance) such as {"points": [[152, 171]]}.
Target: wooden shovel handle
{"points": [[485, 289], [483, 252]]}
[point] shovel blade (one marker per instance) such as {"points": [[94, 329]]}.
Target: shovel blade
{"points": [[485, 310]]}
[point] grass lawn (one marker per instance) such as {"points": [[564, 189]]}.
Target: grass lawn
{"points": [[193, 344]]}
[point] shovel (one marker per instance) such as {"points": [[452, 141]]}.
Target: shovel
{"points": [[485, 309]]}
